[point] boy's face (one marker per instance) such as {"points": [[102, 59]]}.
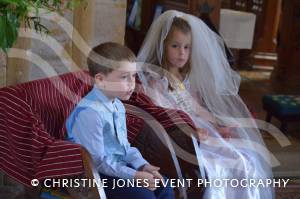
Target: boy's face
{"points": [[119, 83]]}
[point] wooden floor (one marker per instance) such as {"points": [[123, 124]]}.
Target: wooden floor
{"points": [[255, 84]]}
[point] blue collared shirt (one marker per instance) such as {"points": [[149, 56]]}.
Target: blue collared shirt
{"points": [[99, 124]]}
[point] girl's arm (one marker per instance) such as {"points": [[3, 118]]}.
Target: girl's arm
{"points": [[200, 109], [203, 113]]}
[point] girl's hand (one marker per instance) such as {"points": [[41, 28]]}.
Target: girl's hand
{"points": [[226, 132], [201, 134]]}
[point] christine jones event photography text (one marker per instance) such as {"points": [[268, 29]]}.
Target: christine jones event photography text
{"points": [[174, 183]]}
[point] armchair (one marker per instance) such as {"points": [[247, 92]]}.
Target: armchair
{"points": [[32, 130]]}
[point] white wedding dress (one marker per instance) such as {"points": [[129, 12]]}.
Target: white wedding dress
{"points": [[209, 95], [221, 158]]}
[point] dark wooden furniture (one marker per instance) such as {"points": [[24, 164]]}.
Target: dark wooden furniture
{"points": [[267, 19], [285, 108], [286, 75]]}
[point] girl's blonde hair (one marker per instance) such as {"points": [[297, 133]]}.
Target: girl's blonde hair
{"points": [[183, 26]]}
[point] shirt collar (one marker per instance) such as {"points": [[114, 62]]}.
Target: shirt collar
{"points": [[108, 103]]}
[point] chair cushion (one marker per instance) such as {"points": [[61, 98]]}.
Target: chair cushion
{"points": [[32, 126], [52, 99], [27, 150], [284, 105]]}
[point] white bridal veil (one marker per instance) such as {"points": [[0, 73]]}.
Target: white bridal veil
{"points": [[244, 156]]}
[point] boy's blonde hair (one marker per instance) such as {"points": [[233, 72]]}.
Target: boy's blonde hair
{"points": [[183, 26], [110, 51]]}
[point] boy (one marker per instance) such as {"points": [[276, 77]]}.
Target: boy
{"points": [[98, 123]]}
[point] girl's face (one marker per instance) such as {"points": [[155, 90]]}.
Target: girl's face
{"points": [[177, 48]]}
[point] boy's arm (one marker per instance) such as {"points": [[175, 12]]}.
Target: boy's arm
{"points": [[134, 158], [88, 131]]}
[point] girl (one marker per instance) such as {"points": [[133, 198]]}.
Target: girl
{"points": [[185, 67]]}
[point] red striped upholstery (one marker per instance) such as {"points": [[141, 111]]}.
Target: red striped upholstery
{"points": [[32, 119], [32, 126]]}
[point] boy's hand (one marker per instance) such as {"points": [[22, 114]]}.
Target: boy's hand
{"points": [[141, 175], [201, 134], [153, 170]]}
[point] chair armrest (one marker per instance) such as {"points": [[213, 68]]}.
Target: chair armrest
{"points": [[153, 144], [168, 118], [92, 173], [155, 150]]}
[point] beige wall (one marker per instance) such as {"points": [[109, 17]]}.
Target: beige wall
{"points": [[111, 15], [17, 69], [2, 69], [54, 49], [100, 21]]}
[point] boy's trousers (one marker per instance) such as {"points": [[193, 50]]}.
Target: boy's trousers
{"points": [[113, 191]]}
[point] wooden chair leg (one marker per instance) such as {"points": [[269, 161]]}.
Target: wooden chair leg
{"points": [[269, 117], [283, 126]]}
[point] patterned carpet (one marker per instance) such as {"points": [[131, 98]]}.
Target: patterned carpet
{"points": [[292, 191], [255, 75]]}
